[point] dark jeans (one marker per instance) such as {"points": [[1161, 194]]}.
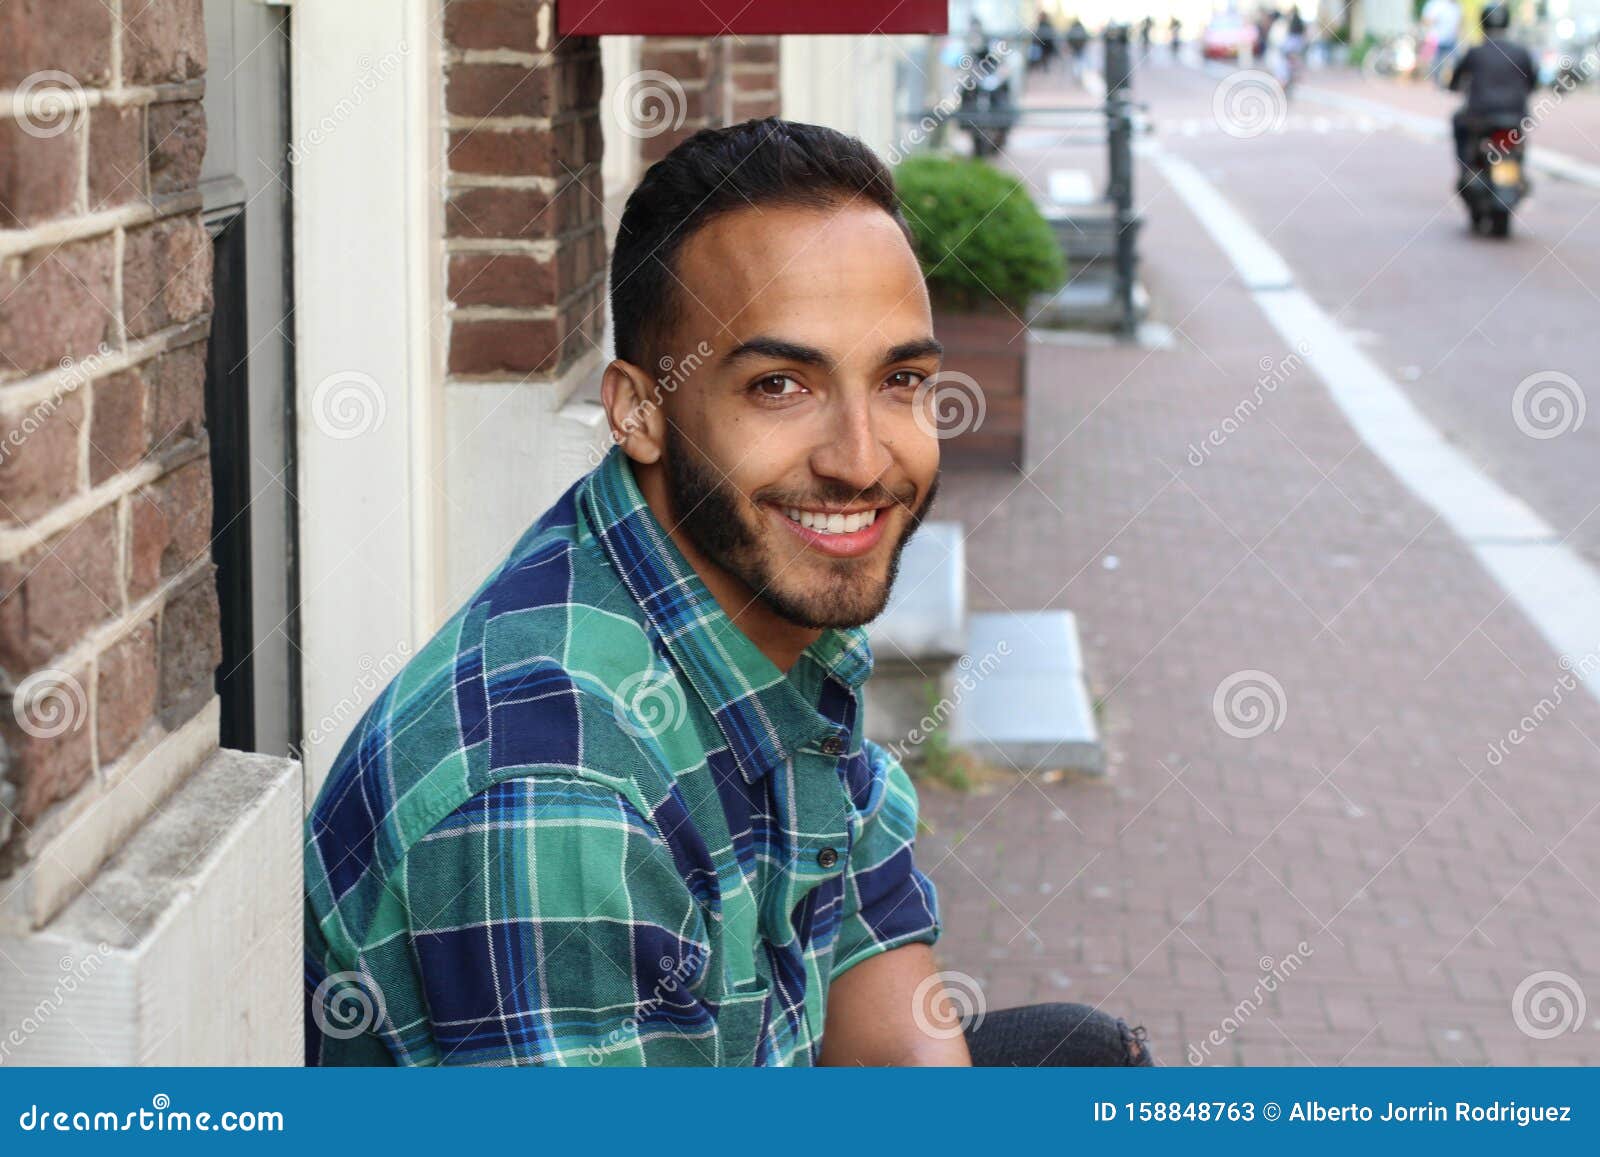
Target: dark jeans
{"points": [[1055, 1035]]}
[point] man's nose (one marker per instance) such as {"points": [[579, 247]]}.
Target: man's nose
{"points": [[854, 452]]}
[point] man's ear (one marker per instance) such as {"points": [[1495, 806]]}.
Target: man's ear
{"points": [[632, 401]]}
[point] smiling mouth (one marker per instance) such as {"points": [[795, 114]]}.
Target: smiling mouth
{"points": [[835, 522], [835, 533]]}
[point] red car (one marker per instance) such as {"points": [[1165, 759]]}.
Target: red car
{"points": [[1228, 37]]}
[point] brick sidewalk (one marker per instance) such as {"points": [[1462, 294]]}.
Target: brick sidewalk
{"points": [[1425, 882]]}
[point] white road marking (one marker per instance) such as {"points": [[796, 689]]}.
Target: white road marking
{"points": [[1561, 165], [1551, 583]]}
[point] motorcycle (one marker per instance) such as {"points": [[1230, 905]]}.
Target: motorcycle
{"points": [[1495, 180]]}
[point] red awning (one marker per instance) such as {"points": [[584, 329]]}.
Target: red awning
{"points": [[748, 17]]}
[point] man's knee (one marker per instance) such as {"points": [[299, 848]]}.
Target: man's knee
{"points": [[1058, 1035]]}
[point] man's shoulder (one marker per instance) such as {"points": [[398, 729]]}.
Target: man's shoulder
{"points": [[519, 682]]}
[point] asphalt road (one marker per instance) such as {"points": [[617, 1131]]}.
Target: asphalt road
{"points": [[1365, 214]]}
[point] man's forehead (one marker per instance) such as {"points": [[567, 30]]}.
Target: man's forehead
{"points": [[751, 269]]}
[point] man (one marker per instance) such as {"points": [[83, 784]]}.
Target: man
{"points": [[1078, 45], [1044, 38], [620, 809], [1497, 76]]}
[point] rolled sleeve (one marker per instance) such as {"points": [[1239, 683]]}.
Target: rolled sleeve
{"points": [[888, 901]]}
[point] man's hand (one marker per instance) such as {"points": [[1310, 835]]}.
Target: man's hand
{"points": [[875, 1016]]}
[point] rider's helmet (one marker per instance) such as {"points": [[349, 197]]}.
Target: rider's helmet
{"points": [[1496, 17]]}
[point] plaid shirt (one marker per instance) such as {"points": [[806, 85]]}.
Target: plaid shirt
{"points": [[591, 823]]}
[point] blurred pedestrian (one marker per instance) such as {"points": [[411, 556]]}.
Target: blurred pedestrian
{"points": [[1266, 20], [1441, 20], [1045, 43], [1077, 44]]}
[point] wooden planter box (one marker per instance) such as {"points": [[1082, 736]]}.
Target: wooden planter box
{"points": [[991, 347]]}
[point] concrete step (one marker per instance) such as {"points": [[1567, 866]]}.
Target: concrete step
{"points": [[917, 640], [1088, 301], [1024, 703], [1086, 231]]}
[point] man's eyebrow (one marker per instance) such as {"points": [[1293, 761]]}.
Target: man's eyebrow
{"points": [[779, 349], [920, 348]]}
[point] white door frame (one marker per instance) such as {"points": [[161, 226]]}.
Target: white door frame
{"points": [[366, 79]]}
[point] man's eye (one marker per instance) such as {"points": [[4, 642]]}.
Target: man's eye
{"points": [[905, 379], [777, 386]]}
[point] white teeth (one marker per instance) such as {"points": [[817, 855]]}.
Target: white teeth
{"points": [[831, 523]]}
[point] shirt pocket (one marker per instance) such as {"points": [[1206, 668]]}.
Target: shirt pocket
{"points": [[742, 1026]]}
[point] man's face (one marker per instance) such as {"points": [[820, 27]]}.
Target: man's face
{"points": [[799, 455]]}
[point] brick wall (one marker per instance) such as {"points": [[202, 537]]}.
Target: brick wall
{"points": [[108, 611], [523, 212], [752, 82], [724, 80]]}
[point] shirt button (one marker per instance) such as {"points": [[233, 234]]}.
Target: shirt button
{"points": [[832, 745], [827, 858]]}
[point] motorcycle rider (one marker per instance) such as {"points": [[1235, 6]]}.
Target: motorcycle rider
{"points": [[1497, 75]]}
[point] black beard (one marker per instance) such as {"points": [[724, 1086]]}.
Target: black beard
{"points": [[713, 515]]}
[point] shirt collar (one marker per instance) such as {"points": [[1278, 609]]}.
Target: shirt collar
{"points": [[762, 711]]}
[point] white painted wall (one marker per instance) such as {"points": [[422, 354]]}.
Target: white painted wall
{"points": [[849, 82], [619, 59]]}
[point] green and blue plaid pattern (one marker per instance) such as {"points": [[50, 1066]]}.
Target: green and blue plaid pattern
{"points": [[591, 823]]}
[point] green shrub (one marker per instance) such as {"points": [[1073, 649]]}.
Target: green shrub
{"points": [[979, 236]]}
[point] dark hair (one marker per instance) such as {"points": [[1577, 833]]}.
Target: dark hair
{"points": [[769, 161]]}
